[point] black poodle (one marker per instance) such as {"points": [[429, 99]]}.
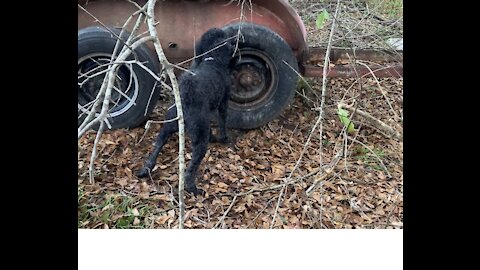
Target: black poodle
{"points": [[203, 94]]}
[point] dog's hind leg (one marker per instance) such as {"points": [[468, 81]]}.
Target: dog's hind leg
{"points": [[199, 134], [222, 118], [167, 130]]}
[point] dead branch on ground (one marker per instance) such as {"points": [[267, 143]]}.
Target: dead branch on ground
{"points": [[373, 121]]}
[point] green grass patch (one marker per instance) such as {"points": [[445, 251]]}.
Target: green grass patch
{"points": [[391, 9], [115, 210], [369, 159]]}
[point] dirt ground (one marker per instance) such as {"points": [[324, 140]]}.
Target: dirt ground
{"points": [[245, 181]]}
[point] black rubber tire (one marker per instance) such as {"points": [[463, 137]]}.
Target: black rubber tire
{"points": [[99, 43], [270, 47]]}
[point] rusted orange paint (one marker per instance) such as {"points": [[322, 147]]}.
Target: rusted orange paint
{"points": [[183, 22]]}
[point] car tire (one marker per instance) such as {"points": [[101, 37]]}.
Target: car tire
{"points": [[264, 74], [95, 48]]}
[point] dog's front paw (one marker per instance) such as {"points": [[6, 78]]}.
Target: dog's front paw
{"points": [[144, 172], [194, 190], [214, 139], [225, 140]]}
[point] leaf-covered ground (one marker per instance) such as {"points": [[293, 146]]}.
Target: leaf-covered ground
{"points": [[360, 23], [245, 179]]}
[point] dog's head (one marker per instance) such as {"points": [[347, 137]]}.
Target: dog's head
{"points": [[216, 45]]}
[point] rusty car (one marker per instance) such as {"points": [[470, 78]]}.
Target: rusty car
{"points": [[272, 52]]}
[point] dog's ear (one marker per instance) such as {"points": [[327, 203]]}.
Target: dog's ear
{"points": [[203, 45], [208, 39], [200, 48], [232, 42]]}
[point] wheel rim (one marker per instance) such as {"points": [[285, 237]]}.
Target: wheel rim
{"points": [[91, 73], [254, 79]]}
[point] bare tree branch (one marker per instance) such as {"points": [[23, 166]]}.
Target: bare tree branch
{"points": [[176, 92], [94, 152], [324, 91]]}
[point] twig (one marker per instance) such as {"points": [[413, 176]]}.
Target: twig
{"points": [[380, 88], [301, 77], [182, 68], [261, 211], [94, 152], [140, 193], [106, 27], [164, 84], [131, 37], [321, 205], [239, 32], [272, 187], [199, 220], [200, 55], [345, 142], [390, 214], [136, 5], [149, 124], [277, 206], [172, 198], [116, 89], [226, 212], [150, 98], [324, 78], [321, 113], [361, 182], [328, 172]]}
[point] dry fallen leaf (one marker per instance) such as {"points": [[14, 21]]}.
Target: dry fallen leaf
{"points": [[249, 199], [128, 172], [278, 171], [162, 219], [122, 181], [260, 167], [220, 190], [316, 195], [222, 185], [136, 221], [144, 187], [161, 197], [188, 224], [239, 208]]}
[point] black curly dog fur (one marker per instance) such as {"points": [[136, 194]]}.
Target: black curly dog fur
{"points": [[203, 95]]}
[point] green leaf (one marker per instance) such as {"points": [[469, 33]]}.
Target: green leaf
{"points": [[343, 114], [321, 18]]}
